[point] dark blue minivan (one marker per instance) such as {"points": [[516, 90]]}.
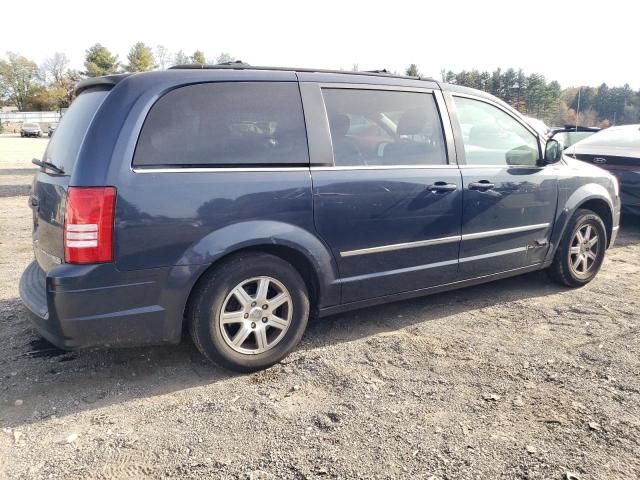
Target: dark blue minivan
{"points": [[240, 200]]}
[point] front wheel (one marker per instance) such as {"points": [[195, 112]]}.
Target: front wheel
{"points": [[581, 251], [249, 312]]}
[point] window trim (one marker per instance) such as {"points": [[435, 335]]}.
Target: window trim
{"points": [[462, 160], [441, 109], [202, 168], [217, 169]]}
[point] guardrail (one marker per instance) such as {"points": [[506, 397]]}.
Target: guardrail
{"points": [[37, 117]]}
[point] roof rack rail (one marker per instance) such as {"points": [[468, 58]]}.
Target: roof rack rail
{"points": [[235, 63], [239, 65]]}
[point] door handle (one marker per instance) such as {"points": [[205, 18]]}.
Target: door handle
{"points": [[482, 185], [442, 187]]}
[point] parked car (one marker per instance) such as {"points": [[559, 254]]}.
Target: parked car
{"points": [[241, 200], [52, 128], [616, 149], [571, 134], [30, 130]]}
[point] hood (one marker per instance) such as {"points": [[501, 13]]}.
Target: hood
{"points": [[605, 150]]}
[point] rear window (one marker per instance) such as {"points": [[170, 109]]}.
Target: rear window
{"points": [[225, 124], [64, 147]]}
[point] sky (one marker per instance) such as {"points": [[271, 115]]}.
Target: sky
{"points": [[573, 42]]}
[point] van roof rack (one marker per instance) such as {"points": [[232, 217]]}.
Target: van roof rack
{"points": [[240, 65]]}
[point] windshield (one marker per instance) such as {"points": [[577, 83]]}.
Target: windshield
{"points": [[65, 145], [569, 138], [30, 125]]}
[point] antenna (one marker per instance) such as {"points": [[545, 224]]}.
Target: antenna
{"points": [[578, 111]]}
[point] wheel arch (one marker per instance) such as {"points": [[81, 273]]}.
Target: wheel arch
{"points": [[604, 211], [592, 197], [306, 253]]}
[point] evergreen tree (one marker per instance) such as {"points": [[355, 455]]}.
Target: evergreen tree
{"points": [[140, 58], [412, 71], [99, 61]]}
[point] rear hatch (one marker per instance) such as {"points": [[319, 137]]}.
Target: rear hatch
{"points": [[49, 190]]}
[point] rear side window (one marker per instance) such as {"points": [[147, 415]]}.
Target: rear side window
{"points": [[225, 124], [382, 127], [64, 146]]}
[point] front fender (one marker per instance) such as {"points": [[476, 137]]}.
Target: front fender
{"points": [[255, 233], [583, 194]]}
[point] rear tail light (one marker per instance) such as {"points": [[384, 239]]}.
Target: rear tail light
{"points": [[88, 224]]}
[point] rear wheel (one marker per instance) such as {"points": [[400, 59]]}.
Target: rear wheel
{"points": [[249, 312], [581, 251]]}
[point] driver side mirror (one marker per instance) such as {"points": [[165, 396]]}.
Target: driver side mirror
{"points": [[552, 151]]}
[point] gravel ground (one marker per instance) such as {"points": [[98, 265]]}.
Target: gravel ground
{"points": [[515, 379]]}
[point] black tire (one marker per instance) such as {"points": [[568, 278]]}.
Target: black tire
{"points": [[561, 269], [211, 294]]}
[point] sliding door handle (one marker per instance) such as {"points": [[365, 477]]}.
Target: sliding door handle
{"points": [[442, 187], [482, 185]]}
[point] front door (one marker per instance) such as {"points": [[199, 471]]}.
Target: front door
{"points": [[509, 201], [389, 206]]}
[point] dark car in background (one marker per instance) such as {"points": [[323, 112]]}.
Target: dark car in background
{"points": [[30, 129], [239, 200], [616, 149]]}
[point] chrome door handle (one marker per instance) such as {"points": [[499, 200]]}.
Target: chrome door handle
{"points": [[442, 187], [482, 185]]}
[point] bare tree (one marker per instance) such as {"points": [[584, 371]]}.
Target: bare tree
{"points": [[181, 58], [54, 68], [225, 58], [163, 57]]}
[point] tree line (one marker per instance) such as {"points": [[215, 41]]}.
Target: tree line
{"points": [[51, 85], [533, 95]]}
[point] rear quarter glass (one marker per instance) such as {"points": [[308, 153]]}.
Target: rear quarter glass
{"points": [[64, 147]]}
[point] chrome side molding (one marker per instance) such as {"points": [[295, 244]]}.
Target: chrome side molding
{"points": [[504, 231], [400, 246], [440, 241]]}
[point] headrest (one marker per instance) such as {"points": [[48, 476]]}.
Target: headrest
{"points": [[412, 122], [339, 124]]}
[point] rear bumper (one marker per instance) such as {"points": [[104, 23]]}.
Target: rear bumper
{"points": [[80, 306]]}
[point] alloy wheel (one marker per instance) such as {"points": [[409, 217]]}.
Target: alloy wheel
{"points": [[255, 315], [584, 250]]}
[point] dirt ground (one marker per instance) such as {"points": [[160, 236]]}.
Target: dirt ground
{"points": [[515, 379]]}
